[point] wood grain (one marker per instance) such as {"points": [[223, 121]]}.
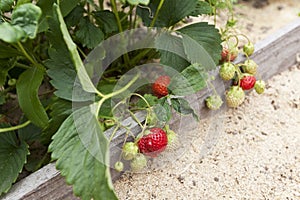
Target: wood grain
{"points": [[274, 55]]}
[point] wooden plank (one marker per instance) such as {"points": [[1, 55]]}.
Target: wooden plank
{"points": [[274, 55]]}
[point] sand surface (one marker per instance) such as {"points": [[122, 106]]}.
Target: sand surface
{"points": [[256, 153]]}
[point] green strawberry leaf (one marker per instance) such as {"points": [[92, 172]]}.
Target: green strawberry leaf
{"points": [[13, 155], [46, 5], [81, 72], [189, 81], [60, 110], [5, 66], [183, 107], [27, 16], [6, 5], [106, 20], [88, 34], [172, 51], [63, 62], [21, 2], [11, 34], [27, 90], [202, 8], [163, 110], [171, 12], [152, 100], [73, 18], [7, 51], [208, 38], [82, 154], [30, 132]]}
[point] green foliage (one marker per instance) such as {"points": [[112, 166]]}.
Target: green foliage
{"points": [[27, 16], [12, 156], [183, 107], [106, 20], [5, 66], [7, 51], [189, 81], [88, 34], [43, 45], [81, 150], [11, 34], [171, 12], [163, 110], [208, 37], [27, 90], [172, 51], [5, 5]]}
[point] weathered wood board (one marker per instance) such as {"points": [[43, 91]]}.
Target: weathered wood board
{"points": [[274, 55]]}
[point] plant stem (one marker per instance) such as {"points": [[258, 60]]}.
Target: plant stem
{"points": [[2, 130], [115, 11], [26, 54], [115, 93], [101, 4], [81, 51], [20, 65], [156, 13]]}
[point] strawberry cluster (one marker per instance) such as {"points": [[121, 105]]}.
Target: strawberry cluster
{"points": [[242, 76]]}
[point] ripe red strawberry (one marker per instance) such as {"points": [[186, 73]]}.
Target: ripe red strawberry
{"points": [[153, 143], [247, 82], [229, 54], [160, 86]]}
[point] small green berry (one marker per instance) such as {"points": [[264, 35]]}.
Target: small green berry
{"points": [[214, 102], [138, 163], [235, 96], [248, 48], [260, 86], [227, 71], [130, 150], [119, 166], [12, 82], [250, 67]]}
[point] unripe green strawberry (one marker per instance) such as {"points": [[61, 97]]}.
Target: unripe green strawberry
{"points": [[235, 96], [119, 166], [227, 71], [138, 163], [172, 140], [214, 102], [250, 67], [248, 48], [130, 150], [260, 86], [12, 82]]}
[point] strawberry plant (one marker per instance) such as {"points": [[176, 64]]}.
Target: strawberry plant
{"points": [[72, 71]]}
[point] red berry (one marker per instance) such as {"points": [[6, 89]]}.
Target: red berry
{"points": [[153, 143], [160, 86], [229, 55], [247, 82]]}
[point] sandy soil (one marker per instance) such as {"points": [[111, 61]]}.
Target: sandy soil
{"points": [[257, 153]]}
